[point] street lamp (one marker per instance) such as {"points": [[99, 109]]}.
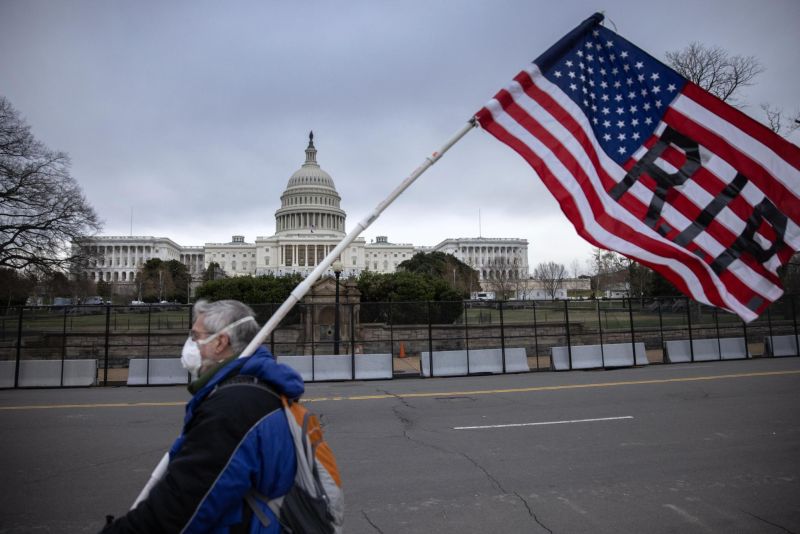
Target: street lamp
{"points": [[337, 270]]}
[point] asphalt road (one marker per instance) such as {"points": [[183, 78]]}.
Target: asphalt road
{"points": [[710, 447]]}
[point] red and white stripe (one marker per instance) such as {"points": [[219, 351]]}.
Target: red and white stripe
{"points": [[540, 122]]}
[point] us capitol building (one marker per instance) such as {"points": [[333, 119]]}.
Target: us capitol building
{"points": [[308, 225]]}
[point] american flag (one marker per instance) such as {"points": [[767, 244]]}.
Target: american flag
{"points": [[648, 164]]}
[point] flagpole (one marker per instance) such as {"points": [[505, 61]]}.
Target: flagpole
{"points": [[303, 287]]}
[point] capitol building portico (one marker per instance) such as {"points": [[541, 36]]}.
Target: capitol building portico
{"points": [[309, 223]]}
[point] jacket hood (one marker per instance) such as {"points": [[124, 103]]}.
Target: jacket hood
{"points": [[262, 364], [283, 378]]}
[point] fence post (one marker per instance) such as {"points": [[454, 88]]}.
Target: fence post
{"points": [[600, 331], [430, 340], [302, 309], [466, 334], [313, 334], [502, 336], [105, 350], [794, 321], [272, 334], [19, 346], [566, 324], [746, 343], [769, 329], [352, 341], [536, 334], [391, 334], [149, 330], [719, 341], [633, 329], [64, 346], [689, 319], [661, 330]]}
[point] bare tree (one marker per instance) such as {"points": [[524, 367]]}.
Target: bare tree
{"points": [[502, 279], [606, 264], [777, 121], [715, 70], [576, 268], [42, 207], [551, 276]]}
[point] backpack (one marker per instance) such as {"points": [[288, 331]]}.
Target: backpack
{"points": [[315, 503]]}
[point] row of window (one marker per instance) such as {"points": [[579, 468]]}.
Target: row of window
{"points": [[233, 255], [386, 254], [491, 250], [242, 266], [302, 220], [296, 201], [125, 276]]}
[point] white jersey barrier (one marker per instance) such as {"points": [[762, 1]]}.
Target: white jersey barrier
{"points": [[468, 362], [48, 373], [775, 346], [597, 356], [704, 350], [321, 367], [160, 372]]}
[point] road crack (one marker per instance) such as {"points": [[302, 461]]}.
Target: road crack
{"points": [[769, 522], [377, 529], [532, 513], [500, 487]]}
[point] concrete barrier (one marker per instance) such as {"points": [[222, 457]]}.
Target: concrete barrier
{"points": [[322, 367], [374, 366], [463, 362], [491, 361], [333, 367], [485, 361], [704, 350], [517, 360], [47, 373], [777, 346], [445, 363], [162, 371], [7, 373], [301, 363], [595, 357]]}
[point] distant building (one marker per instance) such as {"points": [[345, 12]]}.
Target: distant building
{"points": [[118, 258], [309, 223], [493, 258], [532, 289], [384, 257]]}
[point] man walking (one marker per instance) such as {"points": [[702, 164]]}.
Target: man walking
{"points": [[235, 440]]}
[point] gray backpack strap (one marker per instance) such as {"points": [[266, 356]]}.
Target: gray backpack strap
{"points": [[245, 380], [252, 499]]}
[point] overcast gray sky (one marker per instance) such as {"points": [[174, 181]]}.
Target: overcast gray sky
{"points": [[195, 114]]}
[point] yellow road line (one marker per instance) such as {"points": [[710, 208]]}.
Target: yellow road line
{"points": [[431, 394], [105, 405], [553, 388]]}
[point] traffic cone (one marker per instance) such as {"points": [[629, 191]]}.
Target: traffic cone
{"points": [[402, 350]]}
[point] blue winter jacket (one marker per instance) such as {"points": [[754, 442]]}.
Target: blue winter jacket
{"points": [[234, 438]]}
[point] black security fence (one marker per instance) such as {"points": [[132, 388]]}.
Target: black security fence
{"points": [[109, 337]]}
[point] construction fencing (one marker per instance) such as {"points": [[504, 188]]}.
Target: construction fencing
{"points": [[50, 346]]}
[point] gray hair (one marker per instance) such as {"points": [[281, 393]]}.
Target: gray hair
{"points": [[217, 315]]}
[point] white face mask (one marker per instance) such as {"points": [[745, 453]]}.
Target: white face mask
{"points": [[190, 357], [191, 360]]}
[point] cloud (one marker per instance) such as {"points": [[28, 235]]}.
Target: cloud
{"points": [[195, 114]]}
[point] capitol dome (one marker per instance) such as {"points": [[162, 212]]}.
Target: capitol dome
{"points": [[310, 203]]}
